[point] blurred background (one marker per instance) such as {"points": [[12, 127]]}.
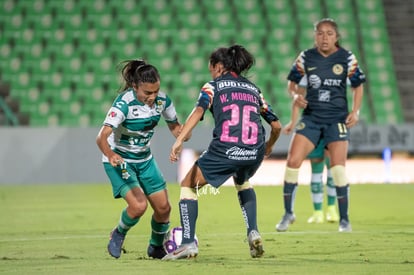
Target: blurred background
{"points": [[59, 59]]}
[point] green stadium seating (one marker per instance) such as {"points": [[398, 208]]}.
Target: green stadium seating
{"points": [[379, 63], [61, 57]]}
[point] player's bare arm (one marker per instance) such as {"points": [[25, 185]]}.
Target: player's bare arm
{"points": [[186, 130], [299, 97], [102, 142], [353, 117], [176, 129], [276, 127]]}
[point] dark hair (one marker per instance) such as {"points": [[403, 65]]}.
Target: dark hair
{"points": [[138, 71], [331, 22], [235, 58]]}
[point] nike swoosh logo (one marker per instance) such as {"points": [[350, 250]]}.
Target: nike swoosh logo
{"points": [[312, 68]]}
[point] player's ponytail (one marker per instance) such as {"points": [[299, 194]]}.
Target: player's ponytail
{"points": [[241, 59], [138, 71]]}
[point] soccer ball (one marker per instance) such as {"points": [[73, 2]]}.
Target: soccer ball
{"points": [[173, 238]]}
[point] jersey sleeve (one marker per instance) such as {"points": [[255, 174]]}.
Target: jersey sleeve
{"points": [[297, 72], [169, 113], [355, 75], [205, 99], [266, 110], [117, 113]]}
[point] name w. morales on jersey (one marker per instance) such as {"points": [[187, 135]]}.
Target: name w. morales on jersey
{"points": [[239, 96]]}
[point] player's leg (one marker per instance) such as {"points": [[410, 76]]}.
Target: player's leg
{"points": [[155, 189], [127, 188], [316, 187], [299, 148], [338, 153], [331, 213], [248, 204], [246, 194], [160, 223], [188, 207]]}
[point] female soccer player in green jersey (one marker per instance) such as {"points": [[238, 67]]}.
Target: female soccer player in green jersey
{"points": [[124, 140]]}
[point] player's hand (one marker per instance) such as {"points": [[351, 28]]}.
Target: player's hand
{"points": [[352, 119], [288, 128], [176, 151], [115, 159], [300, 101]]}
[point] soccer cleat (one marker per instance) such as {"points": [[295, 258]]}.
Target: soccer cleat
{"points": [[345, 226], [116, 240], [255, 243], [156, 252], [331, 214], [184, 251], [317, 217], [285, 221]]}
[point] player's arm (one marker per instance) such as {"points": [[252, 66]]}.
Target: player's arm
{"points": [[186, 130], [276, 128], [176, 129], [170, 116], [102, 142], [270, 117], [298, 94], [353, 117], [298, 100]]}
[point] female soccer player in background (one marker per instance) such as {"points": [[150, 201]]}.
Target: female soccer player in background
{"points": [[124, 140], [319, 157], [238, 146], [322, 74]]}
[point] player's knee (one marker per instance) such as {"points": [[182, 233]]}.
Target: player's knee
{"points": [[188, 193], [137, 208], [163, 211], [291, 175], [339, 175], [244, 186]]}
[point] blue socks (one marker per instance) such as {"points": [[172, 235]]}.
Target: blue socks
{"points": [[342, 194], [247, 200], [289, 191], [188, 217]]}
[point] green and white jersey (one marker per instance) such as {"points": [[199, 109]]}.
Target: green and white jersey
{"points": [[133, 124]]}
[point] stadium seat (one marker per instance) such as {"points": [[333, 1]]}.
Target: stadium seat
{"points": [[48, 46]]}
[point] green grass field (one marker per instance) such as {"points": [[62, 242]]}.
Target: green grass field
{"points": [[64, 229]]}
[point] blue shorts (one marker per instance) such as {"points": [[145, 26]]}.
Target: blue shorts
{"points": [[315, 132], [145, 175], [217, 170]]}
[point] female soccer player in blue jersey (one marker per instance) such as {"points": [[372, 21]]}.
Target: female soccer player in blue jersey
{"points": [[322, 74], [238, 146], [124, 140], [319, 157]]}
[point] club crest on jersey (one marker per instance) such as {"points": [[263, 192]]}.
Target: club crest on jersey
{"points": [[337, 69], [300, 126], [159, 105]]}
